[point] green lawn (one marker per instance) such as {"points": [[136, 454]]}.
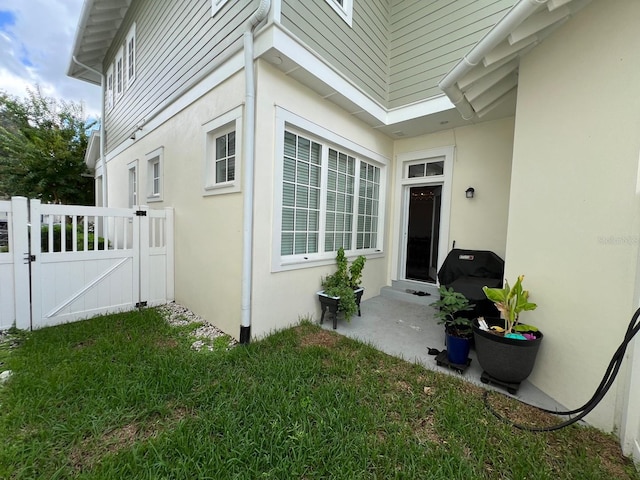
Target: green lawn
{"points": [[125, 397]]}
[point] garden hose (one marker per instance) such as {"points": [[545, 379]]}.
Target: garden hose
{"points": [[601, 391]]}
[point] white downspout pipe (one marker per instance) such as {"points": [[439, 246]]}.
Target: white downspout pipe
{"points": [[518, 14], [249, 169], [102, 111]]}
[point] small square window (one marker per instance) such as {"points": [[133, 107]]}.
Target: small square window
{"points": [[221, 158]]}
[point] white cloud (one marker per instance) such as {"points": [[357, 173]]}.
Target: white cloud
{"points": [[37, 50]]}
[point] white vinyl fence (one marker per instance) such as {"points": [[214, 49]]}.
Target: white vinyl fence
{"points": [[83, 261]]}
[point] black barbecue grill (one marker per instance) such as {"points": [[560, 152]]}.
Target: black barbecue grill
{"points": [[467, 271]]}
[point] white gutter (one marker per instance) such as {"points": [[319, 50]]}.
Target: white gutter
{"points": [[249, 168], [519, 13], [102, 111]]}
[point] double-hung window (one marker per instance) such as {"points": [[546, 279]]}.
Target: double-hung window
{"points": [[119, 64], [330, 198], [223, 139], [130, 54], [110, 98]]}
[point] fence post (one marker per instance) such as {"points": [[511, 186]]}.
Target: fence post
{"points": [[143, 254], [169, 245], [36, 250], [20, 249]]}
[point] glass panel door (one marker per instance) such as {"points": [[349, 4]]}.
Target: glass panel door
{"points": [[423, 233]]}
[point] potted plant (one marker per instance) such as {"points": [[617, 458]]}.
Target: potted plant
{"points": [[457, 327], [341, 290], [506, 348]]}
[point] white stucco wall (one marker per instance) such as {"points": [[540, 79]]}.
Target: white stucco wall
{"points": [[280, 298], [482, 160], [573, 222], [208, 241]]}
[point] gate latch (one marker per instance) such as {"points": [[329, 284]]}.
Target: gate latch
{"points": [[29, 258]]}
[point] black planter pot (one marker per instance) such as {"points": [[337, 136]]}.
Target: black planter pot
{"points": [[507, 360], [332, 304]]}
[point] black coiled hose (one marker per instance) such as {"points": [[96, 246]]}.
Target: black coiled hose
{"points": [[601, 391]]}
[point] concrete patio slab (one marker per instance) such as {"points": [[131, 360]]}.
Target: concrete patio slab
{"points": [[406, 329]]}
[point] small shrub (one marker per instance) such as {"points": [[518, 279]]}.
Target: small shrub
{"points": [[57, 239]]}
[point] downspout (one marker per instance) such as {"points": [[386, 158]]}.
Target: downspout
{"points": [[249, 168], [518, 14], [102, 111]]}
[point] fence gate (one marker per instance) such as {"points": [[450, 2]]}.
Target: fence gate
{"points": [[85, 261]]}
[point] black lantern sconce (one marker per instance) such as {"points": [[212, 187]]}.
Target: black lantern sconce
{"points": [[469, 192]]}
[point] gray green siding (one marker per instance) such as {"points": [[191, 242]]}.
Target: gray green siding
{"points": [[176, 40], [359, 53], [429, 37], [397, 50]]}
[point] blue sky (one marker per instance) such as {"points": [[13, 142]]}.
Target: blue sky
{"points": [[36, 37]]}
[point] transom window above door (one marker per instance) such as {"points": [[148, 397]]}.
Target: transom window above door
{"points": [[430, 168]]}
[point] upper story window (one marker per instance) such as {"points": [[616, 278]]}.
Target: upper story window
{"points": [[119, 67], [109, 88], [216, 5], [344, 8], [130, 55]]}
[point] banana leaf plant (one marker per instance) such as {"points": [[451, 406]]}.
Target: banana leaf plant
{"points": [[510, 302]]}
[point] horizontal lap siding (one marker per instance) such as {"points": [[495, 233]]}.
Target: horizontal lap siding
{"points": [[176, 40], [429, 38], [359, 53]]}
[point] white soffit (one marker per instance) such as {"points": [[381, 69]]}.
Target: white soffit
{"points": [[488, 75], [98, 25]]}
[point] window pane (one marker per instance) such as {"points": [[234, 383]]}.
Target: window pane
{"points": [[231, 144], [286, 244], [304, 149], [435, 168], [288, 195], [300, 245], [287, 219], [289, 174], [231, 168], [221, 171], [416, 170]]}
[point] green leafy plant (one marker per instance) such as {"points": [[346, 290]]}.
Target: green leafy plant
{"points": [[449, 306], [343, 282], [510, 302], [57, 239]]}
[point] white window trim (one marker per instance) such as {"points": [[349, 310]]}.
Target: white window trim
{"points": [[216, 5], [289, 121], [131, 35], [231, 119], [151, 160], [402, 164], [345, 11], [133, 167]]}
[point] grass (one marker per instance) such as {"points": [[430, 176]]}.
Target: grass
{"points": [[124, 396]]}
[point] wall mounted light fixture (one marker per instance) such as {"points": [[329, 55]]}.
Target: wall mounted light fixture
{"points": [[469, 192]]}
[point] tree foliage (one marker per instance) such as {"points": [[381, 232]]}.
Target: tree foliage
{"points": [[42, 148]]}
